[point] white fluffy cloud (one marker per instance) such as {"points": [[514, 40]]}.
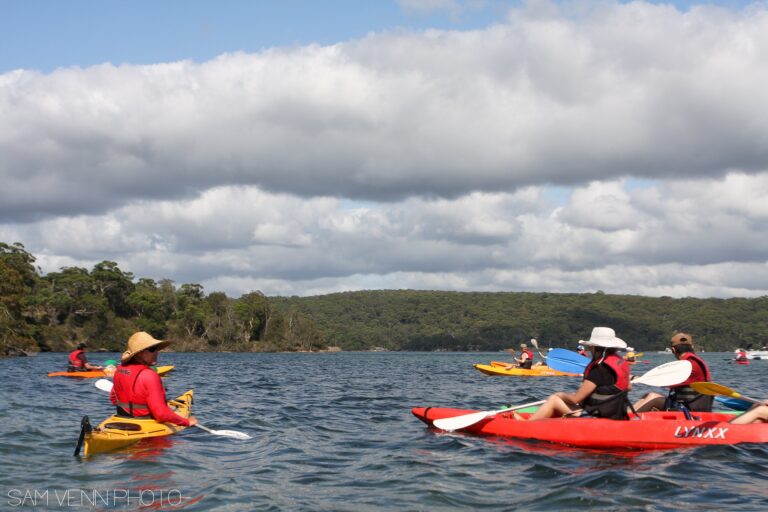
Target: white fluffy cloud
{"points": [[676, 238], [413, 160]]}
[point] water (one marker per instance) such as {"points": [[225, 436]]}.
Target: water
{"points": [[334, 431]]}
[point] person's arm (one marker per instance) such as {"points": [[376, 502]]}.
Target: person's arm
{"points": [[150, 382], [86, 364], [587, 388]]}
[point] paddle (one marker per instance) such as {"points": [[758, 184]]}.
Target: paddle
{"points": [[566, 361], [712, 388], [733, 403], [106, 385], [226, 433], [667, 374], [536, 346], [466, 420]]}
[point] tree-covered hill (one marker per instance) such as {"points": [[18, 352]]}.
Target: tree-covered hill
{"points": [[432, 320], [105, 305]]}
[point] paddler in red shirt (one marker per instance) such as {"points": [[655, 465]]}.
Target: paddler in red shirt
{"points": [[138, 391], [682, 349], [77, 361]]}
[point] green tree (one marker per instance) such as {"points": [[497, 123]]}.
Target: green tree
{"points": [[18, 278], [114, 285]]}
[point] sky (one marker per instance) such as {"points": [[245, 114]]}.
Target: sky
{"points": [[304, 148]]}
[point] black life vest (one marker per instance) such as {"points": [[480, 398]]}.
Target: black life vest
{"points": [[609, 402]]}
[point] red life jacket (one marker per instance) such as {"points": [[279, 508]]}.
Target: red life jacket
{"points": [[609, 402], [619, 367], [528, 362], [686, 395], [74, 359], [124, 385], [694, 359]]}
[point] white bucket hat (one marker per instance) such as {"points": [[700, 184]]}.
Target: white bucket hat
{"points": [[604, 337]]}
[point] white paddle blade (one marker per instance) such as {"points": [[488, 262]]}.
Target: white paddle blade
{"points": [[234, 434], [226, 433], [463, 421], [466, 420], [104, 385], [669, 374]]}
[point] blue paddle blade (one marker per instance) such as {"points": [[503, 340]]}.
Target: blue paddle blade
{"points": [[566, 361], [733, 403]]}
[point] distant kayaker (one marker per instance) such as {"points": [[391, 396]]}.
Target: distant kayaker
{"points": [[137, 390], [526, 357], [631, 355], [740, 354], [582, 351], [78, 362], [603, 392], [682, 349]]}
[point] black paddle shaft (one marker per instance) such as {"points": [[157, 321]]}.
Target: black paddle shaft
{"points": [[85, 428]]}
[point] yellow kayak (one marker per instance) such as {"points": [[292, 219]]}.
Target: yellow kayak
{"points": [[118, 432], [497, 368]]}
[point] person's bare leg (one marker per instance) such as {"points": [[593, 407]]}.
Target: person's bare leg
{"points": [[554, 407], [757, 414], [650, 402]]}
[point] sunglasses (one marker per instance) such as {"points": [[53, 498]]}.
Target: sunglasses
{"points": [[153, 349]]}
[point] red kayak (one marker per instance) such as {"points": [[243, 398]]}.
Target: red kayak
{"points": [[651, 431]]}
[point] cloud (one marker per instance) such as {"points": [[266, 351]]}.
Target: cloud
{"points": [[677, 237], [556, 98], [570, 148]]}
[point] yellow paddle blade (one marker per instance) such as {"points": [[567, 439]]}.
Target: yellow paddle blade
{"points": [[712, 388]]}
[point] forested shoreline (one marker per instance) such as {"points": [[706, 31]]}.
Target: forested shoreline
{"points": [[473, 321], [105, 305]]}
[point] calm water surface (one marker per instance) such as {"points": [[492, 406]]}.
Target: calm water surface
{"points": [[335, 432]]}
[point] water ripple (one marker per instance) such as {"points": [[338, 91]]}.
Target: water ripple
{"points": [[334, 432]]}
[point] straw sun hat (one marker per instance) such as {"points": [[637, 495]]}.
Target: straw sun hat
{"points": [[141, 341], [604, 337]]}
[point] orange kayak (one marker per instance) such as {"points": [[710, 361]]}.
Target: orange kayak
{"points": [[99, 374]]}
